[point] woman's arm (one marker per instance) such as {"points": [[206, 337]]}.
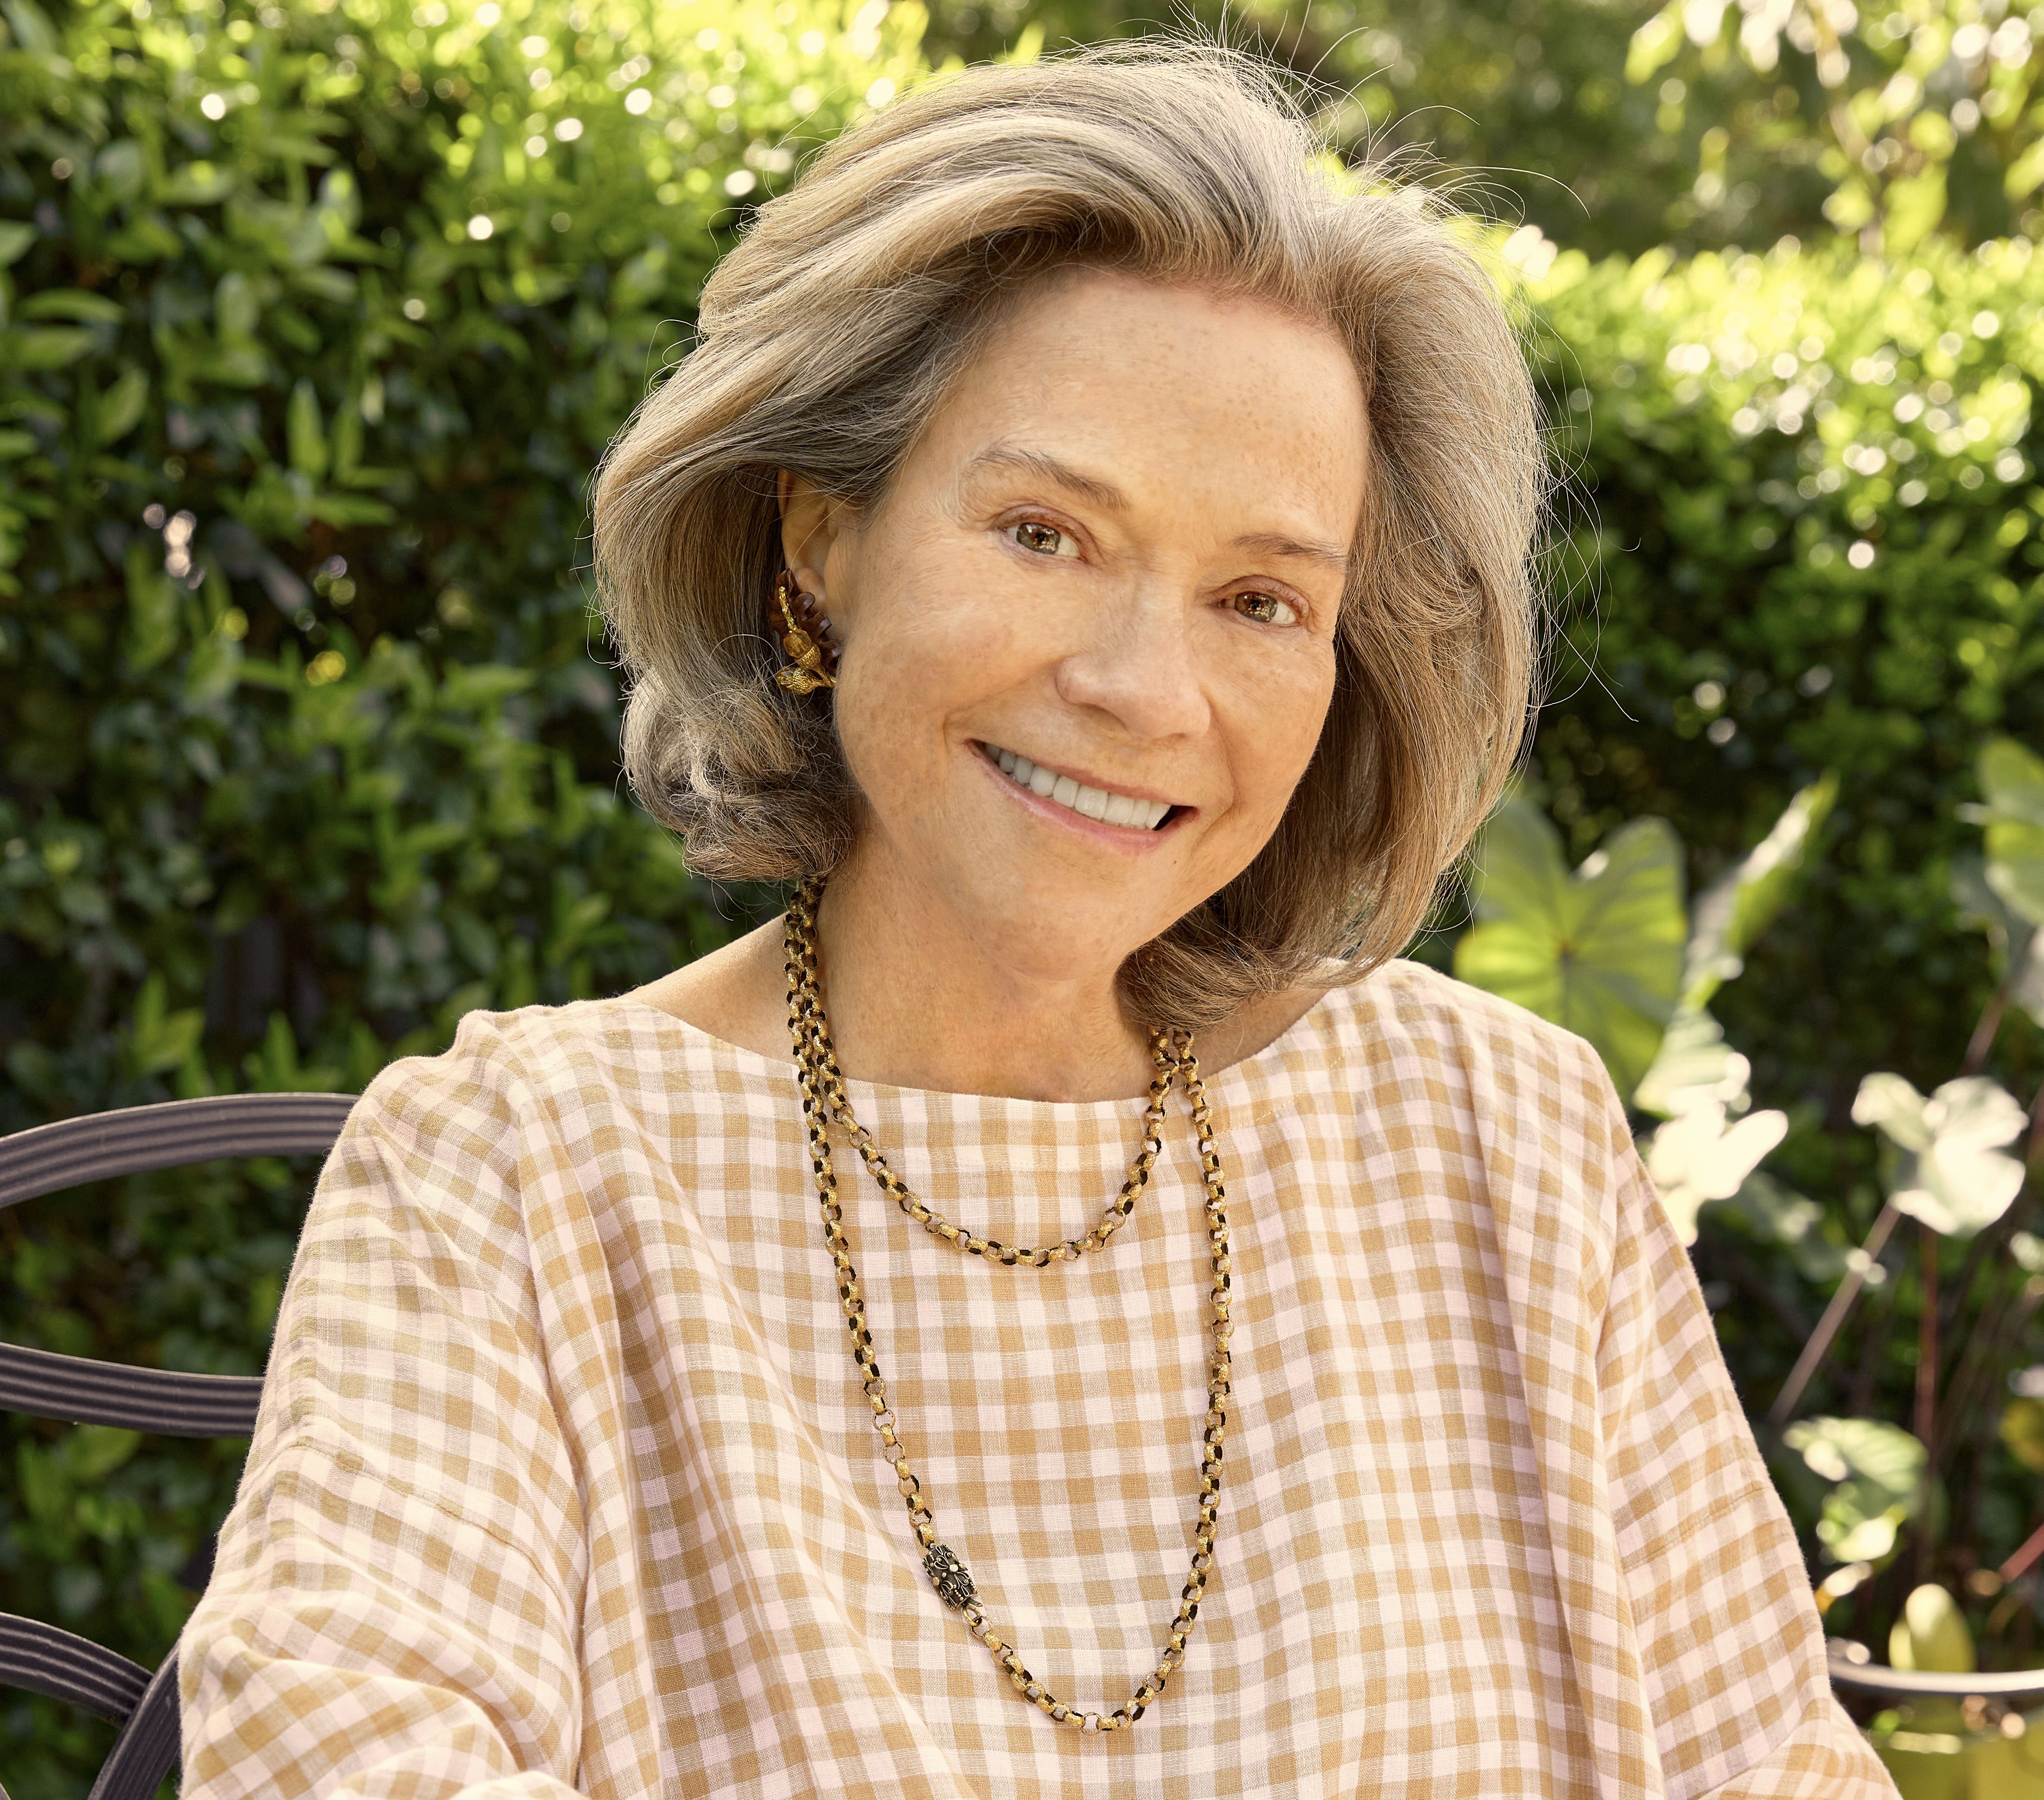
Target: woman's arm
{"points": [[1732, 1651], [395, 1608]]}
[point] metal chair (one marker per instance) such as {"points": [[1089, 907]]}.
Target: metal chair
{"points": [[40, 1658]]}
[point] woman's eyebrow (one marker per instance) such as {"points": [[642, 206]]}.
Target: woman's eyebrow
{"points": [[1103, 494], [1107, 496], [1275, 543]]}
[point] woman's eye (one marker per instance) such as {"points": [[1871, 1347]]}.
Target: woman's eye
{"points": [[1046, 540], [1266, 608]]}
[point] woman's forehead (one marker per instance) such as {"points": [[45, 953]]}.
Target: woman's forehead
{"points": [[1110, 389]]}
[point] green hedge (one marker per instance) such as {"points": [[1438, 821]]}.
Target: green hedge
{"points": [[313, 321], [1809, 536]]}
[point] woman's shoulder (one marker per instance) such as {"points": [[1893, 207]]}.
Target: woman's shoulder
{"points": [[1405, 1023], [1521, 1107], [545, 1068]]}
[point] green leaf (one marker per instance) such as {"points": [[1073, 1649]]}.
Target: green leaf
{"points": [[1851, 205], [122, 166], [1878, 1469], [1982, 907], [1931, 1634], [1736, 909], [475, 687], [32, 352], [197, 184], [1655, 44], [1599, 951], [71, 303], [2012, 936], [276, 1068], [1913, 208], [121, 407], [345, 509], [15, 238], [2025, 173], [1947, 1165], [152, 607], [2012, 778], [1774, 1214], [157, 1039], [148, 238], [31, 27], [346, 450], [306, 431], [92, 1453]]}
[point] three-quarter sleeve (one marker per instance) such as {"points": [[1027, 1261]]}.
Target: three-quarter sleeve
{"points": [[395, 1606], [1731, 1649]]}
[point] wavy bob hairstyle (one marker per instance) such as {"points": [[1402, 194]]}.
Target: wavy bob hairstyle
{"points": [[831, 333]]}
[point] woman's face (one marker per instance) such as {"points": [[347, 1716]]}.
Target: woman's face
{"points": [[1087, 637]]}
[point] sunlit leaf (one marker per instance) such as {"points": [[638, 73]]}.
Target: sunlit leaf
{"points": [[1703, 1154], [1931, 1635], [1655, 44], [1877, 1472], [1916, 207], [1946, 1166], [2022, 1431], [1693, 1054], [1731, 914], [1598, 951], [2012, 777]]}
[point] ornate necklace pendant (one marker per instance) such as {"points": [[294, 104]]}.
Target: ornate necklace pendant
{"points": [[949, 1576]]}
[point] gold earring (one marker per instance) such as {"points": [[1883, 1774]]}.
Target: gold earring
{"points": [[811, 656]]}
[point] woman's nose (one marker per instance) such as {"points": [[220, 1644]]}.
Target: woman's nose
{"points": [[1138, 666]]}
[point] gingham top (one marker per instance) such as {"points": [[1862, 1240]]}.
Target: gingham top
{"points": [[564, 1483]]}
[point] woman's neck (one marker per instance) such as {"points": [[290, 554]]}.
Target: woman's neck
{"points": [[917, 997], [914, 1000]]}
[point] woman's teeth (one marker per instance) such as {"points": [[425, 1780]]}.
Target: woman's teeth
{"points": [[1089, 802]]}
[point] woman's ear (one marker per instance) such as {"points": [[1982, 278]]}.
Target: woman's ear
{"points": [[811, 521]]}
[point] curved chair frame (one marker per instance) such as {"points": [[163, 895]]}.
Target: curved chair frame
{"points": [[1911, 1684], [40, 1658]]}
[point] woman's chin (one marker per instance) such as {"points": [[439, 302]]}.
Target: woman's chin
{"points": [[1038, 928]]}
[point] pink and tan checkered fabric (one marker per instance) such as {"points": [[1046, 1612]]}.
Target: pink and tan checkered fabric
{"points": [[563, 1482]]}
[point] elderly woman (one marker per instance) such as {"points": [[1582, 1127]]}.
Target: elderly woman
{"points": [[1087, 554]]}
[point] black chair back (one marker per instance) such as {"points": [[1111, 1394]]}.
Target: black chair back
{"points": [[40, 1658]]}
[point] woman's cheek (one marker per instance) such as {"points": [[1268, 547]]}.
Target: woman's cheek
{"points": [[1278, 726]]}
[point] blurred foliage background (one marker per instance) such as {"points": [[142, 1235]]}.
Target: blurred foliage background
{"points": [[314, 316]]}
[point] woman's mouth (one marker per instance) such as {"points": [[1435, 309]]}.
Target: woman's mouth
{"points": [[1100, 803]]}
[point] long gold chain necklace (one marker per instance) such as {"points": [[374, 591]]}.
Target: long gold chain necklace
{"points": [[824, 1100]]}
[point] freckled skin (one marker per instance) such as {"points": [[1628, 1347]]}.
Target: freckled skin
{"points": [[1173, 638]]}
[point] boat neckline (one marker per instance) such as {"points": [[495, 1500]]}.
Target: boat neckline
{"points": [[757, 1062]]}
